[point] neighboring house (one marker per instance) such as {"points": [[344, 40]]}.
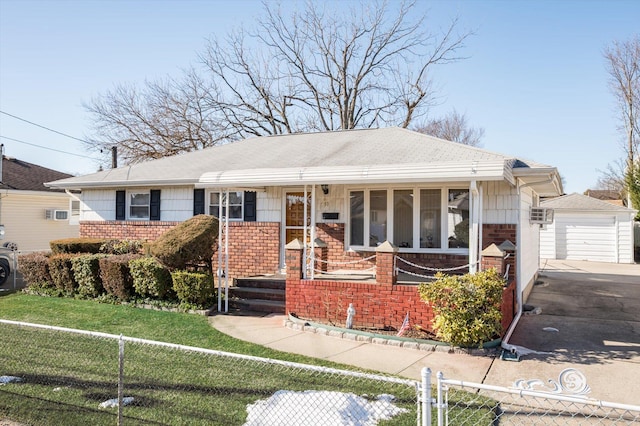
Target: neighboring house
{"points": [[586, 228], [608, 195], [441, 203], [33, 214]]}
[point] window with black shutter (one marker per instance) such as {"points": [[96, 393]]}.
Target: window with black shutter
{"points": [[121, 205], [154, 205], [198, 201]]}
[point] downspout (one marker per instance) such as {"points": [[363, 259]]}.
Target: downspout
{"points": [[474, 237], [304, 237]]}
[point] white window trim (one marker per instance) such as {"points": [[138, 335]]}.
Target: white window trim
{"points": [[230, 219], [128, 206], [444, 199]]}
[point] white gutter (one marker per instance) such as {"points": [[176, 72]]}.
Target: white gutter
{"points": [[386, 173]]}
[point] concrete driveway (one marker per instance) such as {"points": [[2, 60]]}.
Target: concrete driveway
{"points": [[595, 308]]}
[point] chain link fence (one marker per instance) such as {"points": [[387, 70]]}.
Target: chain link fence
{"points": [[532, 402], [52, 376]]}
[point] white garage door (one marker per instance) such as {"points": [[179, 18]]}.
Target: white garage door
{"points": [[586, 238]]}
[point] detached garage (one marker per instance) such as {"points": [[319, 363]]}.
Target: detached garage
{"points": [[585, 228]]}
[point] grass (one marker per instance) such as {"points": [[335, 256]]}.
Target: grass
{"points": [[66, 376]]}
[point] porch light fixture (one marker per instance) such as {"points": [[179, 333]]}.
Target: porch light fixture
{"points": [[325, 189]]}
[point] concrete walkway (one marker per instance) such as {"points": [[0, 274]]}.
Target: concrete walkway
{"points": [[594, 307]]}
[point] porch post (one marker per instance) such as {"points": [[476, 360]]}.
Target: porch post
{"points": [[474, 224], [312, 260], [304, 235]]}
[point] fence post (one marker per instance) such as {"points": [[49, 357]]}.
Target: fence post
{"points": [[440, 403], [120, 378], [426, 396]]}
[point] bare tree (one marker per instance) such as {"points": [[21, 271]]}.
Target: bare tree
{"points": [[622, 61], [311, 70], [453, 127], [163, 118]]}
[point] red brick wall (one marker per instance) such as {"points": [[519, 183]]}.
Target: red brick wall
{"points": [[376, 305], [130, 229], [254, 249], [497, 234]]}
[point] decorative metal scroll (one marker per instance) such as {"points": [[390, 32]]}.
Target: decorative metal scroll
{"points": [[570, 382]]}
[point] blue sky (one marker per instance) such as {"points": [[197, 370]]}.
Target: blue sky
{"points": [[534, 79]]}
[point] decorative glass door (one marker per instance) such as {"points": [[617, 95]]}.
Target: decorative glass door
{"points": [[295, 215]]}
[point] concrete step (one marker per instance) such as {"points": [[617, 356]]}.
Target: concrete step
{"points": [[257, 293], [261, 282], [258, 305]]}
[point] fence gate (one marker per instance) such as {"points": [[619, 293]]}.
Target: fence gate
{"points": [[563, 401]]}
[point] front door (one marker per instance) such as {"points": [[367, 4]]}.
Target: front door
{"points": [[295, 215]]}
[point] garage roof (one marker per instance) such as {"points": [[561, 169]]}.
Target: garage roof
{"points": [[581, 202]]}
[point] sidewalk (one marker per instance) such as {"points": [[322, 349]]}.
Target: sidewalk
{"points": [[594, 306]]}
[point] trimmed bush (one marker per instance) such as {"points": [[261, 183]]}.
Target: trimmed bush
{"points": [[121, 246], [189, 243], [193, 288], [76, 245], [86, 271], [60, 268], [466, 307], [34, 268], [150, 277], [115, 275]]}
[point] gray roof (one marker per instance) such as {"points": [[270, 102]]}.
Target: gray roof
{"points": [[323, 150], [579, 202]]}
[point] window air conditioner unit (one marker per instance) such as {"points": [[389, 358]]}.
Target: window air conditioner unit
{"points": [[52, 214], [542, 215]]}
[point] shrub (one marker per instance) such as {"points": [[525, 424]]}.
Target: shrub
{"points": [[193, 288], [76, 245], [86, 271], [115, 275], [466, 307], [121, 246], [35, 270], [150, 277], [189, 243], [60, 268]]}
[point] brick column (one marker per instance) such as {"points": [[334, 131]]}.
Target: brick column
{"points": [[493, 257], [510, 249], [385, 264], [293, 260], [320, 251]]}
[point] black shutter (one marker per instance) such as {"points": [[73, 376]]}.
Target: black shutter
{"points": [[121, 205], [249, 206], [198, 201], [154, 205]]}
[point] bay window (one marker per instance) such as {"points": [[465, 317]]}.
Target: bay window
{"points": [[413, 218]]}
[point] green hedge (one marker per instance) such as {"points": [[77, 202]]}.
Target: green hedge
{"points": [[60, 268], [187, 244], [86, 271], [150, 278], [121, 246], [116, 276], [467, 307], [193, 288], [34, 268], [76, 245]]}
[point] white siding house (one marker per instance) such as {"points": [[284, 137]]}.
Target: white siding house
{"points": [[439, 202]]}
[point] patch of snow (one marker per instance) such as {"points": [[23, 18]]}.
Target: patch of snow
{"points": [[113, 403], [9, 379], [321, 408]]}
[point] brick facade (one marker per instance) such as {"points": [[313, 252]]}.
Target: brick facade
{"points": [[254, 249], [129, 229]]}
